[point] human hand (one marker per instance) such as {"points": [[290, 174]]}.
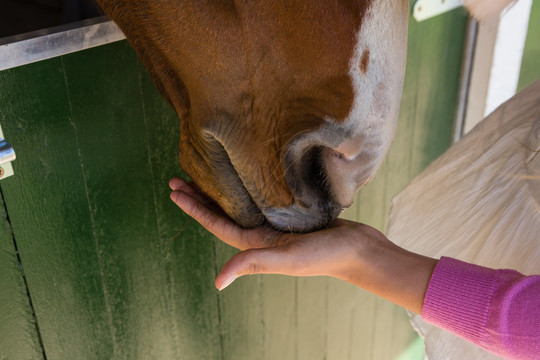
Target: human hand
{"points": [[267, 251], [350, 251]]}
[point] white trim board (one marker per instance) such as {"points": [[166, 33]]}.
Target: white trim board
{"points": [[497, 62], [507, 55], [57, 42]]}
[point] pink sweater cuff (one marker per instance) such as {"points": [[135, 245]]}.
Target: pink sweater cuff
{"points": [[498, 310], [458, 298]]}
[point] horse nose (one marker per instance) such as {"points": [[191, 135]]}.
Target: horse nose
{"points": [[346, 174], [323, 182]]}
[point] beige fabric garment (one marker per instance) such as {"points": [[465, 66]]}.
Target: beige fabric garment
{"points": [[480, 203]]}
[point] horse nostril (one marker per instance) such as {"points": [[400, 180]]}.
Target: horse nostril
{"points": [[313, 172], [314, 205]]}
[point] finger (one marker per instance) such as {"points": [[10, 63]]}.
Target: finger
{"points": [[217, 224], [282, 260], [245, 238], [195, 192], [175, 183]]}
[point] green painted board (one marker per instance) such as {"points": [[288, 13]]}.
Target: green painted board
{"points": [[116, 271], [530, 64], [241, 313]]}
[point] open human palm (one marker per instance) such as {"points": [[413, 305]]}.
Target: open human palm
{"points": [[347, 250]]}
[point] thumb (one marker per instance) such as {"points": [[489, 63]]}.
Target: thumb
{"points": [[275, 260]]}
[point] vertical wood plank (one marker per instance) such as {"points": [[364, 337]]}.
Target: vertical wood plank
{"points": [[312, 318], [438, 58], [341, 311], [363, 317], [240, 313], [18, 332], [279, 317], [187, 252], [121, 205]]}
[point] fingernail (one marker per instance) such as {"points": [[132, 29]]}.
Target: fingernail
{"points": [[228, 281]]}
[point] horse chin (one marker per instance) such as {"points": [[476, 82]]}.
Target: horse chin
{"points": [[299, 219], [249, 220]]}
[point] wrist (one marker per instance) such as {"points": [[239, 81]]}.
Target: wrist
{"points": [[391, 272]]}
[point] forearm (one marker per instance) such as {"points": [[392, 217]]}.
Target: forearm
{"points": [[393, 273]]}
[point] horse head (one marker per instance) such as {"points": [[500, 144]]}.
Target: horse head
{"points": [[286, 108]]}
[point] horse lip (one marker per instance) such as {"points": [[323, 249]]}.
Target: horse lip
{"points": [[250, 215], [245, 211]]}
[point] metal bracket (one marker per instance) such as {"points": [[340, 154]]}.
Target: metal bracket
{"points": [[7, 155], [425, 9]]}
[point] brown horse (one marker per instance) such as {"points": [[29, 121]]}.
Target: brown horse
{"points": [[286, 107]]}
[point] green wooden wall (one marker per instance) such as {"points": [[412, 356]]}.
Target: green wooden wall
{"points": [[97, 263]]}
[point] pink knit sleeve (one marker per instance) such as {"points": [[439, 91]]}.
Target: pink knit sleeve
{"points": [[498, 310]]}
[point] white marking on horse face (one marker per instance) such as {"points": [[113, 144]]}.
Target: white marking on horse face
{"points": [[371, 123], [352, 150]]}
